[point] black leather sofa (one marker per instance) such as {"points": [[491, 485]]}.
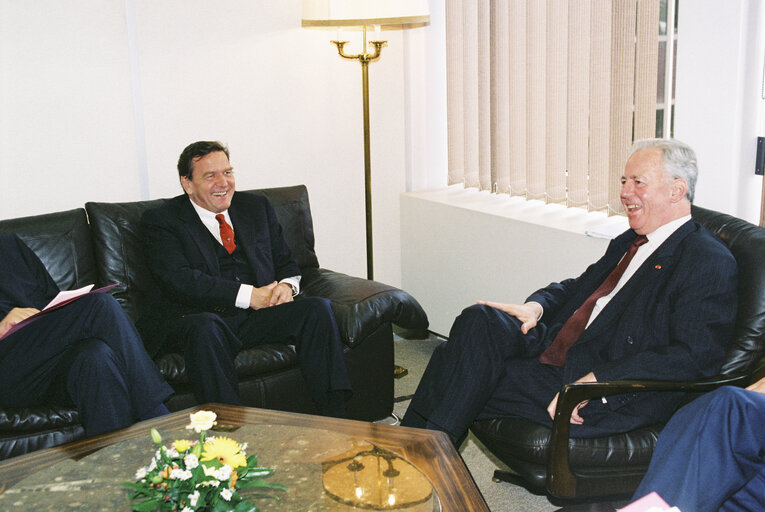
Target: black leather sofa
{"points": [[101, 244]]}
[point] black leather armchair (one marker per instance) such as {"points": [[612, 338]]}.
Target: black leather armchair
{"points": [[547, 461], [102, 244]]}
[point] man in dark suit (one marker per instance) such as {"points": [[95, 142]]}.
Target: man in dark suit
{"points": [[87, 352], [660, 304], [710, 457], [226, 281]]}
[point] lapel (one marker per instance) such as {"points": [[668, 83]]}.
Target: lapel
{"points": [[650, 272], [192, 224], [246, 233]]}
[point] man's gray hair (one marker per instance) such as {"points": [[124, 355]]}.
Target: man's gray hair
{"points": [[678, 158]]}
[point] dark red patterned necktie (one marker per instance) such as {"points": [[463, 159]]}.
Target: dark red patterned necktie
{"points": [[226, 233], [555, 355]]}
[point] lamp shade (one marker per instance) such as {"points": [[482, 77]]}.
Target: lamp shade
{"points": [[357, 13]]}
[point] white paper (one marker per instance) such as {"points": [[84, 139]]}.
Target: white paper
{"points": [[68, 294]]}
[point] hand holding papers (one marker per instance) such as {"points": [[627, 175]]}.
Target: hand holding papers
{"points": [[60, 300]]}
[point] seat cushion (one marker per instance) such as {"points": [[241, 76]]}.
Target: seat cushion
{"points": [[35, 419], [252, 362], [514, 439]]}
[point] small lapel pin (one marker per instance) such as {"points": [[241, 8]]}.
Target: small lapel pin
{"points": [[658, 267]]}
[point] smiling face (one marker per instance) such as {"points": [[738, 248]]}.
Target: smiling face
{"points": [[212, 182], [650, 197]]}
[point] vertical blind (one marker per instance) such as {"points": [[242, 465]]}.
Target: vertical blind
{"points": [[544, 97]]}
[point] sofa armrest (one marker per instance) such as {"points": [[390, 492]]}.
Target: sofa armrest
{"points": [[360, 305]]}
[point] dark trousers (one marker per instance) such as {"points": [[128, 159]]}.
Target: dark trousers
{"points": [[489, 369], [212, 343], [87, 352], [711, 454]]}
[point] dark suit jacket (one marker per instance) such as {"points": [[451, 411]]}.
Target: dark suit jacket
{"points": [[24, 281], [181, 254], [671, 321]]}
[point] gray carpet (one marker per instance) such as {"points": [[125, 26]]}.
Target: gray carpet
{"points": [[500, 496]]}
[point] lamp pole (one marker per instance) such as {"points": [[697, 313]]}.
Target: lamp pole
{"points": [[365, 58]]}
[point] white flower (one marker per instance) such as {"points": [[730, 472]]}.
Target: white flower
{"points": [[180, 474], [224, 473], [209, 471], [140, 473], [226, 494], [191, 461], [152, 465], [202, 420], [243, 449], [172, 453], [187, 509], [193, 497]]}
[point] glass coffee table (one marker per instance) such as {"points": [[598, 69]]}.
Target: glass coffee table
{"points": [[324, 463]]}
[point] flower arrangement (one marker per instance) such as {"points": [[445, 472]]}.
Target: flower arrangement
{"points": [[204, 475]]}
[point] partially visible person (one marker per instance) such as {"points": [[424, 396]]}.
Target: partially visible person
{"points": [[226, 281], [660, 302], [711, 455], [87, 352]]}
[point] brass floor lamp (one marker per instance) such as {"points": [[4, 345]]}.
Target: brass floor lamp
{"points": [[362, 14]]}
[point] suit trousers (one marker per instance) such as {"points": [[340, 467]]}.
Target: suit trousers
{"points": [[489, 369], [711, 454], [87, 352], [212, 343]]}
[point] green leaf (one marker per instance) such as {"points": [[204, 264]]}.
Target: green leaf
{"points": [[260, 484], [246, 506], [146, 506]]}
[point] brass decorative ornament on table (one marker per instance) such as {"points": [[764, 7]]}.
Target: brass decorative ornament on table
{"points": [[205, 475]]}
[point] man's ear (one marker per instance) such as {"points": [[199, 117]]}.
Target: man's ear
{"points": [[186, 184], [678, 190]]}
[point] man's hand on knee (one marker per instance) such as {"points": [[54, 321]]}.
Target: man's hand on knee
{"points": [[261, 297], [529, 313]]}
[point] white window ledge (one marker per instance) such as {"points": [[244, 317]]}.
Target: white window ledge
{"points": [[574, 220]]}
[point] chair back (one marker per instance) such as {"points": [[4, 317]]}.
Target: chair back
{"points": [[747, 243]]}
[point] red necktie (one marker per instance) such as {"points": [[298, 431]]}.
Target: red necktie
{"points": [[555, 355], [226, 233]]}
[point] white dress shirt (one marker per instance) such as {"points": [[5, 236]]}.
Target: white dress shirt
{"points": [[245, 290], [655, 239]]}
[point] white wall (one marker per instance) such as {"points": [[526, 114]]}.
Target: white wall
{"points": [[460, 246], [98, 98], [719, 109]]}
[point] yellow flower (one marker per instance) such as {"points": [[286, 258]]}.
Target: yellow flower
{"points": [[226, 450], [181, 445], [202, 420]]}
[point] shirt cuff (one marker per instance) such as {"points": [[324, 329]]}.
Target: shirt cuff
{"points": [[540, 307], [294, 282], [243, 296]]}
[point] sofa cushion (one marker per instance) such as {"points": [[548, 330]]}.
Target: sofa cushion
{"points": [[252, 362], [35, 419], [294, 214], [119, 250], [62, 242], [516, 438]]}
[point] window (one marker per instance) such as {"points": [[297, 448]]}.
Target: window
{"points": [[545, 98]]}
